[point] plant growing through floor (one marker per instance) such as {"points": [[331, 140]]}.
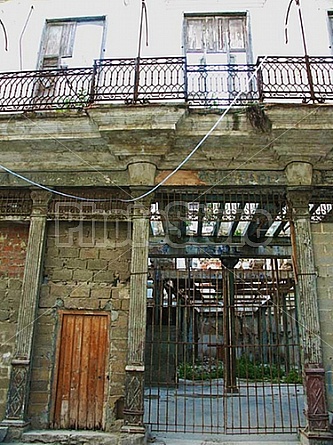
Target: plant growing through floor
{"points": [[81, 99], [293, 376], [247, 368], [198, 370]]}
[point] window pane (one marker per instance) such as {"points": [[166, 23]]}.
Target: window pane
{"points": [[210, 39], [216, 34], [194, 35], [237, 34], [222, 27]]}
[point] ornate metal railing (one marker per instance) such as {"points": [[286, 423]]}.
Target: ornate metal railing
{"points": [[296, 78], [164, 79]]}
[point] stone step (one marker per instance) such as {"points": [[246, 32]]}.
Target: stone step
{"points": [[188, 439], [72, 437], [63, 437]]}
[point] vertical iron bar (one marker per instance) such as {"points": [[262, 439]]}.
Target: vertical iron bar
{"points": [[92, 85], [306, 56], [137, 64], [185, 80]]}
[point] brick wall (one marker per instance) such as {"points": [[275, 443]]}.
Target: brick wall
{"points": [[13, 244], [323, 242], [84, 269]]}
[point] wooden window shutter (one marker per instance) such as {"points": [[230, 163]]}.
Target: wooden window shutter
{"points": [[210, 34], [237, 33], [67, 39], [194, 35]]}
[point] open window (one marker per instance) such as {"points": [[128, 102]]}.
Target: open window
{"points": [[73, 42]]}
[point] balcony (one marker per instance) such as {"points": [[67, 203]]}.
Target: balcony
{"points": [[169, 79]]}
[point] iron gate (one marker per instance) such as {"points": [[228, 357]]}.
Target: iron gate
{"points": [[222, 349]]}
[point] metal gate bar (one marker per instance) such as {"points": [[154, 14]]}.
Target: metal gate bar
{"points": [[196, 381]]}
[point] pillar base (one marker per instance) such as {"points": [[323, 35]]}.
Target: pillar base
{"points": [[316, 437], [14, 429]]}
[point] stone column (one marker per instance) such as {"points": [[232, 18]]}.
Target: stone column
{"points": [[140, 174], [299, 194], [18, 394]]}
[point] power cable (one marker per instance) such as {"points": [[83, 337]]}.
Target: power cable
{"points": [[21, 36], [188, 157], [5, 34]]}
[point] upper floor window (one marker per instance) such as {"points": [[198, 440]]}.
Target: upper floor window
{"points": [[73, 42], [211, 35]]}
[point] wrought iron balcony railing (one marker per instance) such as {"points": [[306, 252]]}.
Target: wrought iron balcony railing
{"points": [[148, 80]]}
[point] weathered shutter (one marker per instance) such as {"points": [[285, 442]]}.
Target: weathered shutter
{"points": [[67, 39], [210, 34], [194, 35], [59, 42], [237, 34]]}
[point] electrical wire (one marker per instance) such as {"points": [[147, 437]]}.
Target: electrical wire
{"points": [[21, 36], [188, 157], [199, 144], [44, 187], [5, 34], [286, 21]]}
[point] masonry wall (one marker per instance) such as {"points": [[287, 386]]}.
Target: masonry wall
{"points": [[86, 267], [323, 241], [13, 244]]}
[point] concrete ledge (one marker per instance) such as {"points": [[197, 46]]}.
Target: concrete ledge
{"points": [[222, 439], [317, 438]]}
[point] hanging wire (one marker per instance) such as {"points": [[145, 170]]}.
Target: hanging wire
{"points": [[286, 21], [5, 34], [21, 36], [199, 144], [143, 20], [44, 187], [149, 192]]}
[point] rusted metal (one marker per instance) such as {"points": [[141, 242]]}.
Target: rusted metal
{"points": [[302, 78], [316, 413], [163, 79], [187, 346]]}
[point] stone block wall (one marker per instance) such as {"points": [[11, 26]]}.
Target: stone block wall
{"points": [[323, 251], [13, 244], [85, 269]]}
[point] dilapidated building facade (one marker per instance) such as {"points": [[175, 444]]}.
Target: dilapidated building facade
{"points": [[166, 219]]}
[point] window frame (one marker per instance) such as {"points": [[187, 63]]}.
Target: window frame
{"points": [[100, 20], [244, 15]]}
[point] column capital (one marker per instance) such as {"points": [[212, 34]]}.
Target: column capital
{"points": [[142, 173], [141, 209], [299, 173], [40, 201], [299, 200]]}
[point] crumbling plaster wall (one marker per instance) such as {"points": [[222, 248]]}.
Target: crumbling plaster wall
{"points": [[87, 268], [322, 241], [13, 244]]}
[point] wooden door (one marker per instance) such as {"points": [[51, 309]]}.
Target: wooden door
{"points": [[81, 371]]}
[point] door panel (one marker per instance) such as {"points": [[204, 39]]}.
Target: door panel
{"points": [[81, 371]]}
